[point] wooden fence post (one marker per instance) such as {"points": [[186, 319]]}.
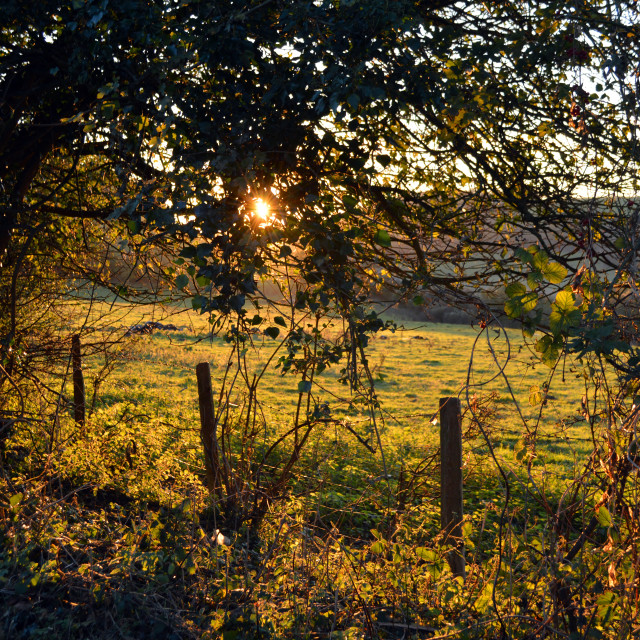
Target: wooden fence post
{"points": [[451, 481], [207, 423], [78, 381]]}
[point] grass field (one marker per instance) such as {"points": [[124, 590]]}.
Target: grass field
{"points": [[413, 367], [350, 549]]}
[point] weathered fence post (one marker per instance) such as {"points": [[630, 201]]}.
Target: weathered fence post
{"points": [[451, 481], [78, 381], [207, 422]]}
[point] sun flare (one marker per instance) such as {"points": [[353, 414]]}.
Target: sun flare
{"points": [[262, 209]]}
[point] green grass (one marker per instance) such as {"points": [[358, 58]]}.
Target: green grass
{"points": [[113, 522], [413, 367]]}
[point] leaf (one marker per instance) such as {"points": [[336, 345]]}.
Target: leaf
{"points": [[523, 255], [549, 349], [606, 599], [198, 302], [383, 159], [349, 201], [182, 281], [564, 313], [534, 279], [467, 532], [620, 243], [424, 553], [280, 320], [378, 547], [535, 395], [515, 289], [304, 386], [16, 499], [520, 301], [272, 332], [353, 100], [382, 238], [604, 517], [521, 451], [554, 273], [540, 260]]}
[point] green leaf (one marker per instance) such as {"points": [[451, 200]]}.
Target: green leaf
{"points": [[272, 332], [540, 260], [467, 532], [529, 302], [606, 599], [382, 238], [523, 256], [520, 301], [203, 281], [549, 349], [554, 273], [521, 451], [349, 201], [304, 386], [16, 499], [564, 313], [378, 547], [198, 302], [280, 320], [257, 319], [424, 553], [515, 289], [604, 517], [534, 279], [182, 281]]}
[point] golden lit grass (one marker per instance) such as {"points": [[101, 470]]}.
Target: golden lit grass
{"points": [[413, 367]]}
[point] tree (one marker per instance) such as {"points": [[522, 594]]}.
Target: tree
{"points": [[439, 148], [460, 150], [462, 106]]}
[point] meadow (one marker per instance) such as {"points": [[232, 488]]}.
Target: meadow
{"points": [[113, 533]]}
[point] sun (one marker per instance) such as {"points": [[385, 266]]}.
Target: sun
{"points": [[262, 209]]}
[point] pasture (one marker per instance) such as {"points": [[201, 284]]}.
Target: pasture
{"points": [[350, 547]]}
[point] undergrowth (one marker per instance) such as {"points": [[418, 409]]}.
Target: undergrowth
{"points": [[108, 530]]}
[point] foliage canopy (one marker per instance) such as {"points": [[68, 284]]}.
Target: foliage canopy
{"points": [[433, 140]]}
